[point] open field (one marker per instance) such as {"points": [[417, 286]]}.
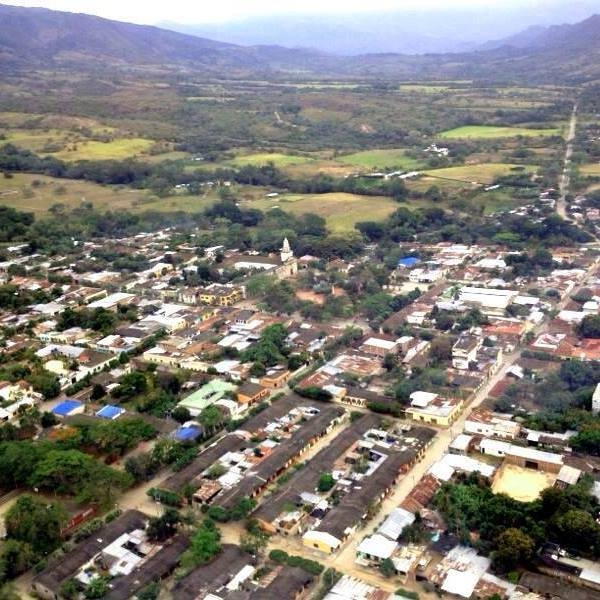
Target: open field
{"points": [[37, 193], [481, 173], [592, 169], [489, 132], [341, 211], [380, 158], [35, 140], [521, 484], [115, 149], [279, 160], [423, 89]]}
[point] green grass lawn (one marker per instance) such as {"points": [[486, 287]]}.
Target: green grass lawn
{"points": [[115, 149], [489, 132], [380, 158], [279, 160], [341, 211], [482, 173]]}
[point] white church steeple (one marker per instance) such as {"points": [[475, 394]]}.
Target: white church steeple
{"points": [[286, 252]]}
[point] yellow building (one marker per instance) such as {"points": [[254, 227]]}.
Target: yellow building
{"points": [[221, 295], [319, 540], [427, 407]]}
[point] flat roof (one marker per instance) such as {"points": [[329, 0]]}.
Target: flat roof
{"points": [[66, 407], [110, 412]]}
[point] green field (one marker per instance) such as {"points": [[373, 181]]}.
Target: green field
{"points": [[482, 173], [489, 132], [341, 211], [279, 160], [382, 159], [37, 193], [34, 139], [115, 149]]}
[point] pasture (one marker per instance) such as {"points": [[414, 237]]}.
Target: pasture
{"points": [[341, 211], [490, 132], [278, 159], [484, 173], [38, 193], [381, 159], [116, 149]]}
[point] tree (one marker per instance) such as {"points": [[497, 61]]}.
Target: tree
{"points": [[161, 528], [387, 568], [590, 326], [98, 392], [69, 589], [440, 349], [16, 558], [181, 414], [578, 529], [36, 522], [326, 482], [204, 545], [48, 419], [254, 544], [98, 588], [210, 418], [513, 548]]}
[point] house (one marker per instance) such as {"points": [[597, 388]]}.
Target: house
{"points": [[376, 548], [322, 541], [464, 351], [491, 302], [251, 393], [428, 407], [487, 424], [113, 301], [218, 295], [379, 346], [208, 394], [47, 584], [395, 523], [275, 378]]}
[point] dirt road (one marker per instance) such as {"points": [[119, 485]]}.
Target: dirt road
{"points": [[565, 180]]}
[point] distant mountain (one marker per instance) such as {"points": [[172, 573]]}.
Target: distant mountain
{"points": [[583, 35], [33, 37], [402, 30], [342, 35]]}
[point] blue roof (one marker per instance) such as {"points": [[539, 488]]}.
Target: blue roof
{"points": [[67, 407], [408, 261], [110, 412], [191, 432]]}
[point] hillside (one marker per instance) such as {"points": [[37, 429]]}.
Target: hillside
{"points": [[33, 37], [579, 36]]}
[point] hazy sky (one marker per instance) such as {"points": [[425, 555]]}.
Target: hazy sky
{"points": [[198, 11]]}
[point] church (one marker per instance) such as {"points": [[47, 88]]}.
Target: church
{"points": [[286, 266]]}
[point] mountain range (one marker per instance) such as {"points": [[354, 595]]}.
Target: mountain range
{"points": [[44, 38], [403, 30]]}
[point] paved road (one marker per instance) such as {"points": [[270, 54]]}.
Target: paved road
{"points": [[565, 180]]}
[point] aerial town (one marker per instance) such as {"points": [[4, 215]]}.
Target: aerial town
{"points": [[312, 315]]}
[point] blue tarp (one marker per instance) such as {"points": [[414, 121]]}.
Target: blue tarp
{"points": [[110, 412], [65, 408], [408, 261], [188, 433]]}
